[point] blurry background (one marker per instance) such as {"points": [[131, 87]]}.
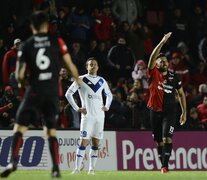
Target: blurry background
{"points": [[121, 34]]}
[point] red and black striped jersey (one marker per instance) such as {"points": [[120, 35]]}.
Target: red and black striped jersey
{"points": [[43, 55], [162, 89]]}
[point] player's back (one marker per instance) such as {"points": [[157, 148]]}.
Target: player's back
{"points": [[43, 57]]}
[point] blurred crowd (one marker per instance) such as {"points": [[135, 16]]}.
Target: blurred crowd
{"points": [[121, 34]]}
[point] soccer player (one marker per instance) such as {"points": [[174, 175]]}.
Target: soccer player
{"points": [[42, 55], [92, 112], [163, 87]]}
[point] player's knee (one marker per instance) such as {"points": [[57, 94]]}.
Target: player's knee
{"points": [[167, 140], [84, 142], [157, 138]]}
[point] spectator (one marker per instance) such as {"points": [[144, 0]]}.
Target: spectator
{"points": [[78, 24], [177, 66], [79, 57], [65, 81], [93, 46], [104, 25], [3, 113], [9, 62], [63, 118], [119, 115], [9, 36], [101, 56], [193, 123], [178, 24], [198, 26], [137, 104], [62, 18], [8, 117], [124, 10], [140, 72], [202, 112], [2, 52], [202, 46], [121, 59], [135, 36]]}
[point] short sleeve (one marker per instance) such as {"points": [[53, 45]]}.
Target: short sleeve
{"points": [[178, 82], [63, 47]]}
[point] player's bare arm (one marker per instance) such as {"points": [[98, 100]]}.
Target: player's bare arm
{"points": [[71, 67], [20, 71], [156, 51], [182, 101]]}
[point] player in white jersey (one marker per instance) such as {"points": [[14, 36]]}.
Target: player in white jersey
{"points": [[92, 112]]}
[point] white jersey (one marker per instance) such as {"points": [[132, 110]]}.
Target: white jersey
{"points": [[91, 94]]}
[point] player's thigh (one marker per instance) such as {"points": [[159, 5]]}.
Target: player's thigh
{"points": [[86, 127], [98, 129], [156, 125], [27, 112], [169, 124], [50, 112]]}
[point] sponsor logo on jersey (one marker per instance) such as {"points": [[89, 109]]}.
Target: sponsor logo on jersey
{"points": [[90, 96]]}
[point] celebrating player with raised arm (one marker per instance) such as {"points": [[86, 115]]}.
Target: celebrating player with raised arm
{"points": [[92, 112], [163, 88]]}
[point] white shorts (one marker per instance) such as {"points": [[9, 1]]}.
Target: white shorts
{"points": [[91, 127]]}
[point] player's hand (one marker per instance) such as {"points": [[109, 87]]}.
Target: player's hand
{"points": [[10, 105], [166, 37], [183, 118], [104, 108], [82, 110]]}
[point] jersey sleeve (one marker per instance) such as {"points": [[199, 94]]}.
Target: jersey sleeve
{"points": [[63, 47], [151, 72], [69, 95], [108, 95], [178, 82]]}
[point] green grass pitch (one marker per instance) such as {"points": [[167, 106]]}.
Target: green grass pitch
{"points": [[111, 175]]}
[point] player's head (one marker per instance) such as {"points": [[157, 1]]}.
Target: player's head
{"points": [[39, 22], [92, 65], [162, 62]]}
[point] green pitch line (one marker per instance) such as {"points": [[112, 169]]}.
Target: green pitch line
{"points": [[114, 175]]}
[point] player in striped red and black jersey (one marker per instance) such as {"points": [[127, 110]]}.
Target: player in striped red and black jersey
{"points": [[162, 104], [43, 56]]}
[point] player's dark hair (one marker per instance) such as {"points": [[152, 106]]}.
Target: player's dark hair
{"points": [[161, 55], [38, 18], [89, 59]]}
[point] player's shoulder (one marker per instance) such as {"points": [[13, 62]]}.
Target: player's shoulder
{"points": [[82, 76], [100, 77]]}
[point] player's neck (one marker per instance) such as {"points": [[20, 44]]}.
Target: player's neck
{"points": [[41, 31], [92, 75]]}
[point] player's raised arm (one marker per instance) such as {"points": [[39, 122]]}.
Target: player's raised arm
{"points": [[156, 51]]}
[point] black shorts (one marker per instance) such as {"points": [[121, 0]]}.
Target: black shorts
{"points": [[162, 123], [36, 108]]}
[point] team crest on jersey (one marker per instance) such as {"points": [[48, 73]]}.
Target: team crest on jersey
{"points": [[94, 87]]}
